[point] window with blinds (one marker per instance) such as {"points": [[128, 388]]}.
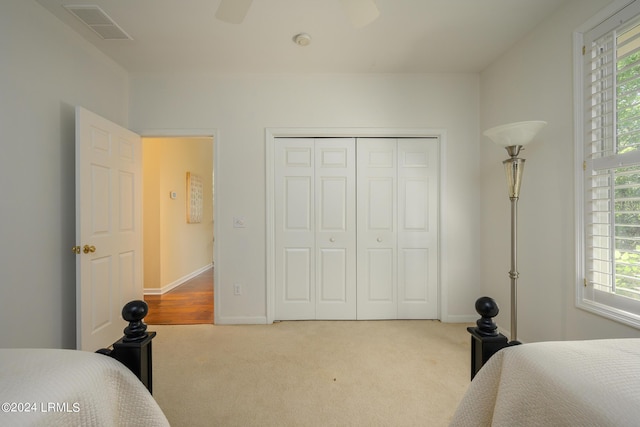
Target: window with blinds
{"points": [[612, 165]]}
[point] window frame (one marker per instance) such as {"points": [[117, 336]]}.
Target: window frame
{"points": [[614, 307]]}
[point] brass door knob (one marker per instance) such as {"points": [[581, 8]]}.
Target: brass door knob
{"points": [[75, 249], [86, 249]]}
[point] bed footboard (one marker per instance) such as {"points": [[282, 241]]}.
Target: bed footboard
{"points": [[134, 349], [485, 338]]}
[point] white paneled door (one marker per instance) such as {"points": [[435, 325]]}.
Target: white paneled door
{"points": [[108, 228], [356, 228], [397, 228], [315, 228], [418, 207], [377, 285]]}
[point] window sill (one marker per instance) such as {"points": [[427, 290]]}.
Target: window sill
{"points": [[608, 312]]}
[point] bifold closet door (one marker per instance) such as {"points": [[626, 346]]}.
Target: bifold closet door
{"points": [[315, 228], [418, 207], [377, 217], [397, 205]]}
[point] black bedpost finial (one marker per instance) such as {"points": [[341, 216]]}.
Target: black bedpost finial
{"points": [[487, 309], [485, 338], [133, 312], [134, 349]]}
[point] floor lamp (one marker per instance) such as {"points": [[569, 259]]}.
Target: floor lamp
{"points": [[513, 137]]}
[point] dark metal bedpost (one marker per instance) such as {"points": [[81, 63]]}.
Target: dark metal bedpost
{"points": [[134, 349], [485, 339]]}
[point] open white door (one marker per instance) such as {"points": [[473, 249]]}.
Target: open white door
{"points": [[108, 228]]}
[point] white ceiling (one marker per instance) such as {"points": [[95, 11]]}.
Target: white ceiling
{"points": [[410, 36]]}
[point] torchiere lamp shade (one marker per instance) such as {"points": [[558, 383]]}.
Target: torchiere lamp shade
{"points": [[515, 134], [513, 137]]}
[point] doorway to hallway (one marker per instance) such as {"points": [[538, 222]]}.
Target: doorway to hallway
{"points": [[178, 217], [188, 304]]}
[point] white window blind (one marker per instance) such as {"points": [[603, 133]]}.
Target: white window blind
{"points": [[612, 167]]}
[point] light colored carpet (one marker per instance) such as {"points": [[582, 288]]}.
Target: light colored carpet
{"points": [[311, 373]]}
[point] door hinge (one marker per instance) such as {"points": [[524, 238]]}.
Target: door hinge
{"points": [[584, 165], [585, 282], [584, 49]]}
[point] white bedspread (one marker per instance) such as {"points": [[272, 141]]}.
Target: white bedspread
{"points": [[572, 383], [45, 387]]}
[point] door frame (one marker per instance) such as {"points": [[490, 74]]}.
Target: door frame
{"points": [[272, 133], [201, 133]]}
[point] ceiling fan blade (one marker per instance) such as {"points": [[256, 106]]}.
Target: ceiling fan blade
{"points": [[233, 11], [360, 12]]}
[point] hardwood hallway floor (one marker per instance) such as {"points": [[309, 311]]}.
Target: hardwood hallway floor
{"points": [[188, 304]]}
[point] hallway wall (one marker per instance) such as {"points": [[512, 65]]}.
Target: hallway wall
{"points": [[173, 248]]}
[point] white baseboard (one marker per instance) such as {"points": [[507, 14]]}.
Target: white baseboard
{"points": [[460, 318], [240, 320], [163, 290]]}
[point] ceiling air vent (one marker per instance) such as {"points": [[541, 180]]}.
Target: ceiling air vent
{"points": [[96, 19]]}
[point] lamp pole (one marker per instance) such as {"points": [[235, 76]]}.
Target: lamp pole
{"points": [[514, 168], [513, 273]]}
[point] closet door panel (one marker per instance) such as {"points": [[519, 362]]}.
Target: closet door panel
{"points": [[379, 275], [377, 218], [297, 280], [335, 235], [418, 229], [414, 275], [380, 214], [332, 276], [295, 293]]}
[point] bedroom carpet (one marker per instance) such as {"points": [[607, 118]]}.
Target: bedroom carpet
{"points": [[311, 373]]}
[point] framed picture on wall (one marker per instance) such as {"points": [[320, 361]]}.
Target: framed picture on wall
{"points": [[194, 198]]}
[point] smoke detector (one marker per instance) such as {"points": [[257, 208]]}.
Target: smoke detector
{"points": [[302, 39]]}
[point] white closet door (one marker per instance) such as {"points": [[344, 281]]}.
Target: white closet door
{"points": [[315, 229], [397, 228], [295, 292], [417, 229], [356, 232], [335, 228], [376, 235]]}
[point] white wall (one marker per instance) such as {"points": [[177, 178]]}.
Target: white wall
{"points": [[45, 70], [242, 107], [533, 81]]}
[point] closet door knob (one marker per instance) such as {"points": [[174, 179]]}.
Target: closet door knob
{"points": [[332, 240], [379, 239]]}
